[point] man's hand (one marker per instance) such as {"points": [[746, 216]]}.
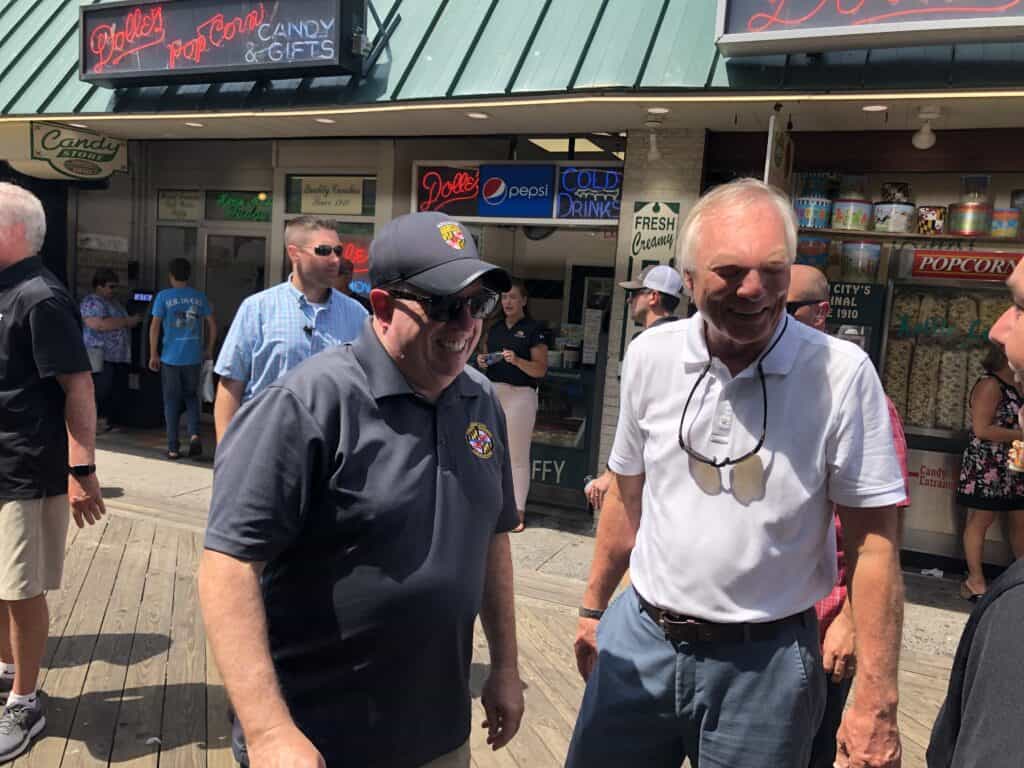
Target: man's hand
{"points": [[502, 699], [596, 489], [284, 746], [509, 356], [86, 499], [868, 739], [481, 360], [154, 363], [838, 652], [586, 646]]}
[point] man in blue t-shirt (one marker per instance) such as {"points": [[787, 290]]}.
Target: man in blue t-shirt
{"points": [[181, 311]]}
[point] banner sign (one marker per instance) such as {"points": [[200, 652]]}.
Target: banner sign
{"points": [[156, 43], [447, 189], [516, 191], [179, 205], [589, 193], [332, 195], [654, 231], [748, 27], [78, 154], [964, 265]]}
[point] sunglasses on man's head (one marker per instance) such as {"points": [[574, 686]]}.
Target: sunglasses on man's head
{"points": [[327, 250], [444, 309], [793, 306]]}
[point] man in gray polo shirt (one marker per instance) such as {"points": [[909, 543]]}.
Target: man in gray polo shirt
{"points": [[358, 526]]}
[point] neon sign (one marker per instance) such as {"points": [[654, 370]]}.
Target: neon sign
{"points": [[449, 190], [787, 26], [589, 193], [214, 40]]}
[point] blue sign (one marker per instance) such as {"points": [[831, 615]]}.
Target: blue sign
{"points": [[589, 193], [519, 191]]}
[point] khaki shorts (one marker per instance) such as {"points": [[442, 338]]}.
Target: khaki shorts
{"points": [[34, 534], [457, 759]]}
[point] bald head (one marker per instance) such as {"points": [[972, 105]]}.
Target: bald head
{"points": [[806, 284], [808, 288]]}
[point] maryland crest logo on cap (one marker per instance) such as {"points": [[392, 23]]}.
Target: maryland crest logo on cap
{"points": [[480, 440], [452, 234]]}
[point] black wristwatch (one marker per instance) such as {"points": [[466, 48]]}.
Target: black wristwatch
{"points": [[81, 470], [590, 613]]}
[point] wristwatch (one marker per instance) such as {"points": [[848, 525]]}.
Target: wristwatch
{"points": [[590, 613], [82, 470]]}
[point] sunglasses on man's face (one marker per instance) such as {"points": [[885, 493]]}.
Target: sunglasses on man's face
{"points": [[327, 250], [444, 309], [793, 306]]}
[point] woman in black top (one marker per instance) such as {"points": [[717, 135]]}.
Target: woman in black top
{"points": [[987, 486], [517, 360]]}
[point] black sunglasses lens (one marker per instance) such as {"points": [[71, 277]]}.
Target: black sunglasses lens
{"points": [[447, 308], [327, 250]]}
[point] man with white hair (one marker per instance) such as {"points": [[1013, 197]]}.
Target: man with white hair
{"points": [[47, 454], [739, 428]]}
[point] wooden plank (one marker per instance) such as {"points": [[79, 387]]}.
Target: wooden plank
{"points": [[66, 675], [184, 520], [92, 733], [218, 726], [139, 719], [553, 589], [82, 544], [184, 722]]}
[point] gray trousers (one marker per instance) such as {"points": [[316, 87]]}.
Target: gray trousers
{"points": [[652, 703]]}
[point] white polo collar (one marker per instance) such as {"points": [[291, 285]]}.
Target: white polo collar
{"points": [[779, 362]]}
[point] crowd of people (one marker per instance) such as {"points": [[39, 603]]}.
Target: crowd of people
{"points": [[367, 478]]}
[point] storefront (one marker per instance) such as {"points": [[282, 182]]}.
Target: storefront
{"points": [[232, 126]]}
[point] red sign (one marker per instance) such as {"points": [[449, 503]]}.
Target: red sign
{"points": [[964, 265], [447, 189]]}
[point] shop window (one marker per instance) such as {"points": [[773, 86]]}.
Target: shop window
{"points": [[172, 242], [228, 205], [323, 195]]}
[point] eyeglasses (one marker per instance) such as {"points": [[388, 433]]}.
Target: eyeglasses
{"points": [[715, 461], [793, 306], [632, 293], [327, 250], [444, 309]]}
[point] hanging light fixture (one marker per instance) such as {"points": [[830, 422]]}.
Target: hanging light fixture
{"points": [[924, 137]]}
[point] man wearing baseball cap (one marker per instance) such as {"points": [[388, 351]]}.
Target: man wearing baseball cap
{"points": [[654, 295], [359, 524], [652, 298]]}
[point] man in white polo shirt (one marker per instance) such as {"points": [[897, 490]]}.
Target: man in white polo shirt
{"points": [[738, 429]]}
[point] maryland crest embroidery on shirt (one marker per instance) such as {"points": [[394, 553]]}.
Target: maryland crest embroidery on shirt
{"points": [[480, 440], [452, 234]]}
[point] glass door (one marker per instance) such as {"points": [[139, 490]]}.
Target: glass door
{"points": [[233, 269]]}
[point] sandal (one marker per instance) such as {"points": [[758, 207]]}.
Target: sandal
{"points": [[969, 594], [173, 455]]}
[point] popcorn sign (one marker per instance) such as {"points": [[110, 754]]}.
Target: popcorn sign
{"points": [[960, 265]]}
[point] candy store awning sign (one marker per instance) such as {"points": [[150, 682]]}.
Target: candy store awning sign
{"points": [[654, 231], [746, 27], [78, 154]]}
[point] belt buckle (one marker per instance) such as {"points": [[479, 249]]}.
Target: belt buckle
{"points": [[685, 630]]}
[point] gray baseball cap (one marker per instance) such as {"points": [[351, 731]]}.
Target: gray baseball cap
{"points": [[432, 252], [657, 277]]}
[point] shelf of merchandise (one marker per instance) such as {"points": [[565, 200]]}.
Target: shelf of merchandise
{"points": [[972, 240]]}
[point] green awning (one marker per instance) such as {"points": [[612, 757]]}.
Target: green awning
{"points": [[463, 49]]}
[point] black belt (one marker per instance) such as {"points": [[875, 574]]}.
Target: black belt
{"points": [[686, 629]]}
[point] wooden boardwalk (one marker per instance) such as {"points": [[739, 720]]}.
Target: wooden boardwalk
{"points": [[129, 682]]}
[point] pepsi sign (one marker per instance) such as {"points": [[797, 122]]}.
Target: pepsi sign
{"points": [[589, 193], [516, 191]]}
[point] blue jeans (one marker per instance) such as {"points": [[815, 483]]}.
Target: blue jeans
{"points": [[651, 702], [823, 754], [180, 383]]}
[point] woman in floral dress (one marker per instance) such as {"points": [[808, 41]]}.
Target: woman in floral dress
{"points": [[987, 486]]}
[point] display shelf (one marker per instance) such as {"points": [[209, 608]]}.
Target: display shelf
{"points": [[990, 286], [947, 238]]}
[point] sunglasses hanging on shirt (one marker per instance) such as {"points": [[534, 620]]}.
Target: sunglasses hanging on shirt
{"points": [[714, 461]]}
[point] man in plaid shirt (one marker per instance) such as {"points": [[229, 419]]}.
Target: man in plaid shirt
{"points": [[807, 301]]}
